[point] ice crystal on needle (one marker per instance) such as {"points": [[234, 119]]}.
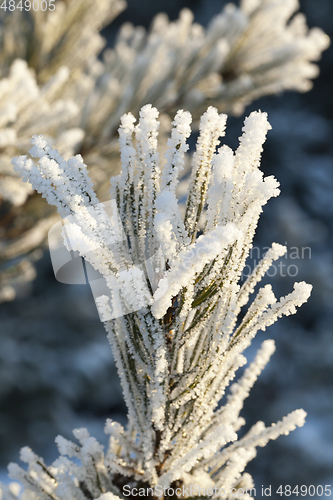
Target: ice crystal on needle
{"points": [[180, 343]]}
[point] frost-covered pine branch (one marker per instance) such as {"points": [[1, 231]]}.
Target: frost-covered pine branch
{"points": [[257, 49], [48, 67], [25, 106], [66, 35], [46, 80], [179, 343]]}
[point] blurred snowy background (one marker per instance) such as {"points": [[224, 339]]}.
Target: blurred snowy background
{"points": [[55, 367]]}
